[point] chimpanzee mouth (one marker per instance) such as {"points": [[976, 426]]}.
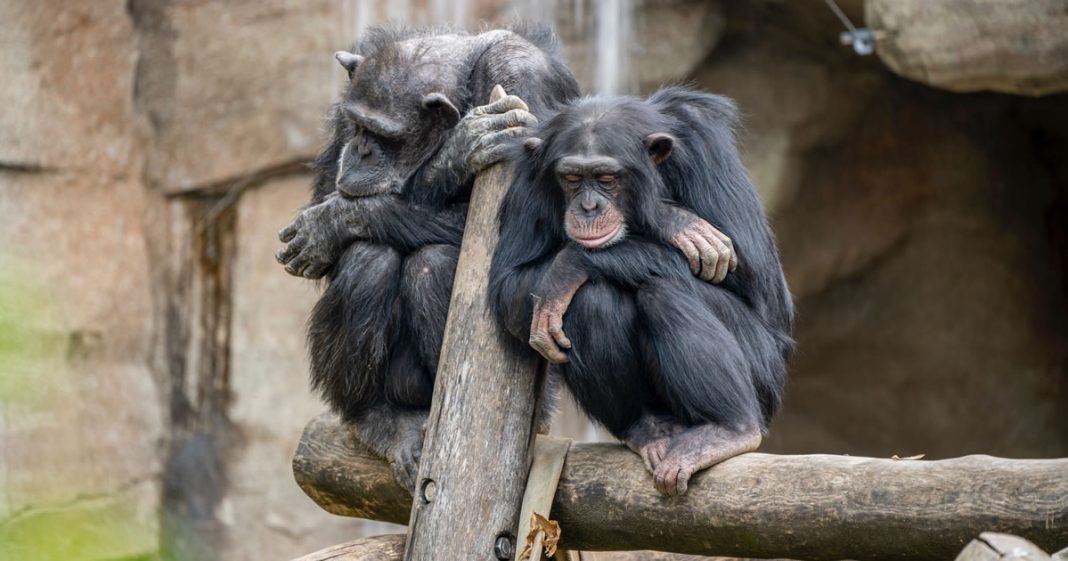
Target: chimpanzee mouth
{"points": [[595, 241]]}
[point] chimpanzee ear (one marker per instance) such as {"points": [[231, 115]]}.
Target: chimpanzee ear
{"points": [[659, 145], [437, 102], [532, 144], [348, 61]]}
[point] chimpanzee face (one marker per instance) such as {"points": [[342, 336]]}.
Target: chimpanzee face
{"points": [[594, 193], [598, 192], [394, 117]]}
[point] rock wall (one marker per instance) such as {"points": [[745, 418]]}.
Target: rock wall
{"points": [[152, 369], [923, 235]]}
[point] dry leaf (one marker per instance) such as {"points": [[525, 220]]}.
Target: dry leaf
{"points": [[916, 457], [550, 530]]}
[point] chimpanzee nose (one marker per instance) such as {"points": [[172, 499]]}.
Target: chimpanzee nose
{"points": [[588, 204]]}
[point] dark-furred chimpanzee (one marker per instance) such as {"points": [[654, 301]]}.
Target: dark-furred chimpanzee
{"points": [[686, 373], [388, 210]]}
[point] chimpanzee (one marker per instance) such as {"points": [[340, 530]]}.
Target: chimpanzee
{"points": [[686, 373], [388, 210]]}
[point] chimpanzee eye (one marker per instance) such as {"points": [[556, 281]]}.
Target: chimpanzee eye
{"points": [[572, 178], [606, 179]]}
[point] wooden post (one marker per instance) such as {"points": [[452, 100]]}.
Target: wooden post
{"points": [[476, 454], [815, 507]]}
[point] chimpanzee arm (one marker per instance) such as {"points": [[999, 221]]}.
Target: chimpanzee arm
{"points": [[710, 252], [530, 238], [551, 299], [705, 174], [634, 261], [318, 236]]}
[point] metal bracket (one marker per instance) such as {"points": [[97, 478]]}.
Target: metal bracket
{"points": [[862, 40]]}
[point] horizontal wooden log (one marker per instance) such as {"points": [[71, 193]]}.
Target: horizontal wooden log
{"points": [[1018, 47], [816, 507], [388, 547]]}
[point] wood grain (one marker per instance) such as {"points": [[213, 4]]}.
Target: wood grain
{"points": [[477, 451], [388, 547], [817, 507]]}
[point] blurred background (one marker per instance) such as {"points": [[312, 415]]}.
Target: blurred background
{"points": [[152, 361]]}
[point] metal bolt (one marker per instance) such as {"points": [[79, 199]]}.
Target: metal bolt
{"points": [[504, 549], [430, 490]]}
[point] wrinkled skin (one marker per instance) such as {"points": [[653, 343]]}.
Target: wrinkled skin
{"points": [[551, 300], [322, 231]]}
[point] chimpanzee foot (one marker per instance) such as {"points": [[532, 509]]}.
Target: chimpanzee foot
{"points": [[699, 448], [404, 461], [650, 438]]}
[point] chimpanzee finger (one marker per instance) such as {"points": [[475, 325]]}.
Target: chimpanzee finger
{"points": [[513, 118], [723, 262], [730, 247], [297, 265], [290, 251], [709, 256], [287, 233], [556, 330], [652, 455], [660, 479], [403, 475], [543, 343], [493, 148], [671, 480], [645, 460], [682, 481], [316, 270], [551, 352], [693, 256], [506, 104]]}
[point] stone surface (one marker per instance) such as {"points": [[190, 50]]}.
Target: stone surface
{"points": [[264, 511], [80, 417], [917, 230], [972, 45], [68, 75], [235, 88]]}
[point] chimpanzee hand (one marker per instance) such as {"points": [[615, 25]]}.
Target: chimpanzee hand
{"points": [[709, 251], [554, 293], [481, 138], [317, 237]]}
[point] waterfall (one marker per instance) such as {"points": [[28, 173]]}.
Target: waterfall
{"points": [[455, 12], [397, 11], [614, 37]]}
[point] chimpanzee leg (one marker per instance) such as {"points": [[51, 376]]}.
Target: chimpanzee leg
{"points": [[426, 288], [395, 428], [704, 373], [603, 370], [349, 329]]}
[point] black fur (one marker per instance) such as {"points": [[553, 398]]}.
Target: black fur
{"points": [[375, 335], [647, 336]]}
